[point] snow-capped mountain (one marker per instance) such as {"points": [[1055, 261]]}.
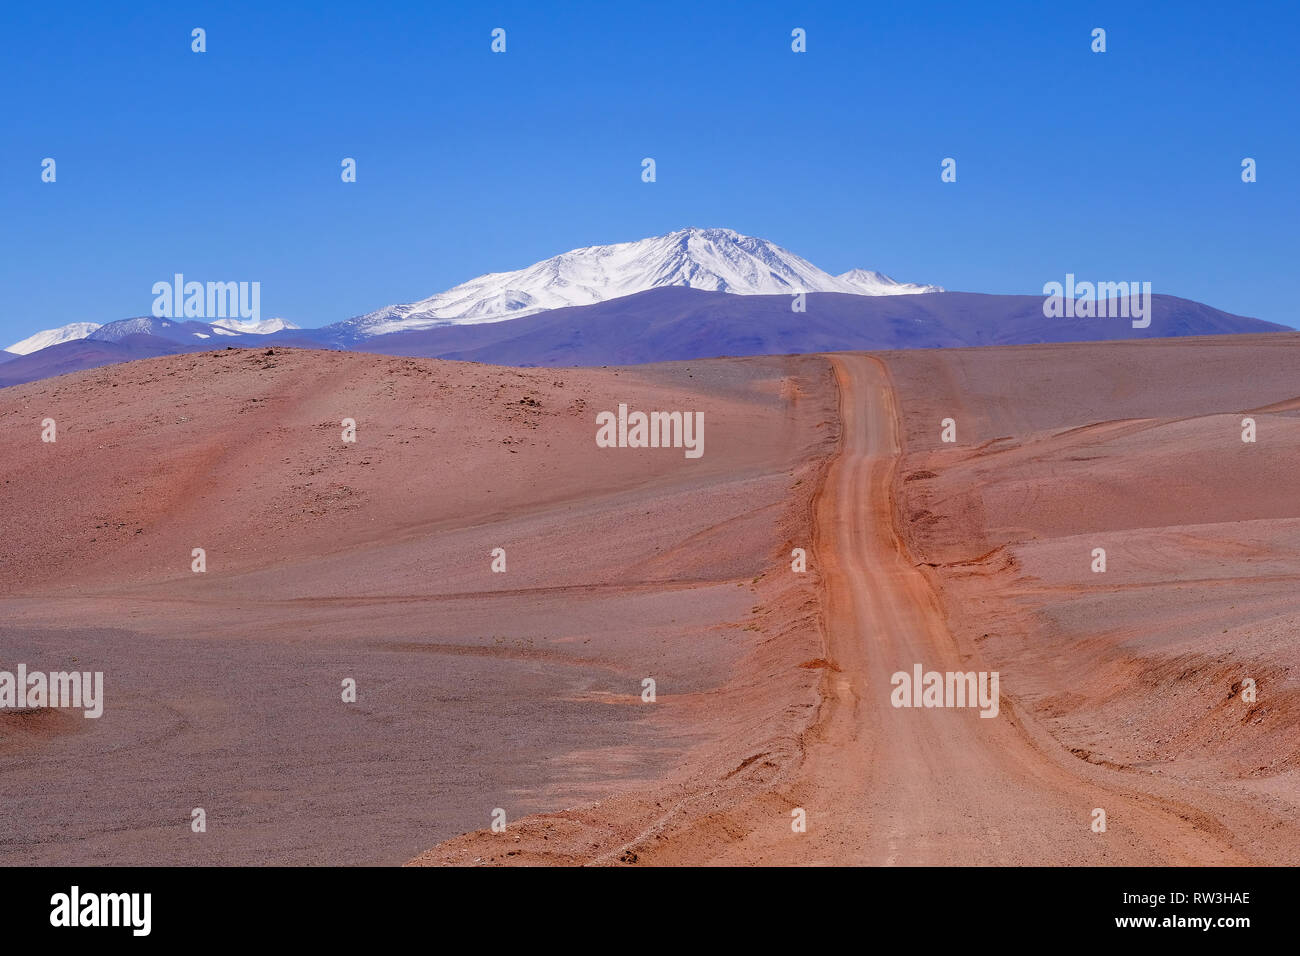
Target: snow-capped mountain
{"points": [[176, 330], [868, 282], [254, 327], [718, 260], [41, 340], [146, 325], [185, 330]]}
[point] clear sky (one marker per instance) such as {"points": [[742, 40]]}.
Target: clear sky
{"points": [[225, 165]]}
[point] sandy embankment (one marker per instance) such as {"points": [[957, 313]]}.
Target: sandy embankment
{"points": [[372, 560], [1137, 671]]}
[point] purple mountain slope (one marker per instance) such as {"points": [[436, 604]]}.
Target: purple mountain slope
{"points": [[681, 323], [82, 354], [87, 353]]}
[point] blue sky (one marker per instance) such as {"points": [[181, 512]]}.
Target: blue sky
{"points": [[225, 165]]}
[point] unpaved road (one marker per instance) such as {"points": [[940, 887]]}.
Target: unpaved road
{"points": [[884, 785]]}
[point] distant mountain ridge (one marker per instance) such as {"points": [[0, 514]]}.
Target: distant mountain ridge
{"points": [[677, 323], [694, 293], [177, 330]]}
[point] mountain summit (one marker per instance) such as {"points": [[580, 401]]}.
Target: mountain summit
{"points": [[715, 260]]}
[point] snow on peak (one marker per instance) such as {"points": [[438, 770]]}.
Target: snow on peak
{"points": [[41, 340], [869, 282], [254, 326], [719, 260], [175, 330]]}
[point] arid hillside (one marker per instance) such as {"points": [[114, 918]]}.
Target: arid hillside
{"points": [[373, 560]]}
